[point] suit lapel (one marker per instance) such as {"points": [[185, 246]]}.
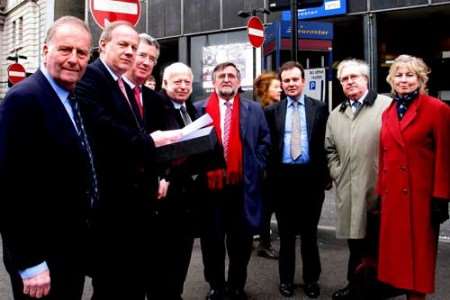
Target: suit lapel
{"points": [[119, 99], [393, 124], [411, 114], [62, 118], [280, 121], [243, 116], [310, 113]]}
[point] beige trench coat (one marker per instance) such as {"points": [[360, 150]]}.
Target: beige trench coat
{"points": [[351, 144]]}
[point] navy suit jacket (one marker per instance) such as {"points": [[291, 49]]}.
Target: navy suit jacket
{"points": [[255, 139], [123, 149], [43, 177], [316, 113]]}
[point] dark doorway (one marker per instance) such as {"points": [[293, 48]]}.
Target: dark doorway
{"points": [[168, 55]]}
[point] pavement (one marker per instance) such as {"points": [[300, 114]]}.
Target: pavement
{"points": [[263, 281]]}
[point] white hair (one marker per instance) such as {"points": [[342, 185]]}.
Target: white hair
{"points": [[361, 65], [175, 68]]}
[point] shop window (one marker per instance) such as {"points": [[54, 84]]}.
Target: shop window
{"points": [[207, 51]]}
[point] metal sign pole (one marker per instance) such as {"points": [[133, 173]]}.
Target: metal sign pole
{"points": [[294, 30]]}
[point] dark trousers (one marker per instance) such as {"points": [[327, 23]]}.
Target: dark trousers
{"points": [[301, 200], [269, 208], [226, 230], [169, 253], [117, 258], [358, 250]]}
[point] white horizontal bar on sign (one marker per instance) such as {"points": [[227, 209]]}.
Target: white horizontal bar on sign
{"points": [[116, 7], [256, 32], [16, 74]]}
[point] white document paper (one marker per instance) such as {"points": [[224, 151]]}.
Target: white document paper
{"points": [[197, 133], [201, 122]]}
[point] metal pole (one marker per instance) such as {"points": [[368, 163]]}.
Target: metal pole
{"points": [[254, 50], [294, 30]]}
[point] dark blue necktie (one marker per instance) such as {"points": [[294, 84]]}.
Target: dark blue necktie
{"points": [[93, 183]]}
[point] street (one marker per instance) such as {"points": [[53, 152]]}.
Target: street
{"points": [[262, 281]]}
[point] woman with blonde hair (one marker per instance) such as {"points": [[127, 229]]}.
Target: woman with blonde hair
{"points": [[413, 180]]}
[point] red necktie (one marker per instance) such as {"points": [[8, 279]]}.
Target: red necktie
{"points": [[122, 88], [138, 98], [226, 128]]}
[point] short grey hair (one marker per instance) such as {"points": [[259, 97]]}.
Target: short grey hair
{"points": [[151, 41], [106, 34], [63, 21], [175, 68], [361, 65]]}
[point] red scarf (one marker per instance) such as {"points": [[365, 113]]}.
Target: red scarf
{"points": [[233, 173]]}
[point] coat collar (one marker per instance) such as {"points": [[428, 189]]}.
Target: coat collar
{"points": [[369, 100]]}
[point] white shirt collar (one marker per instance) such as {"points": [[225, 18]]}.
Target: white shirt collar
{"points": [[114, 75], [129, 82], [361, 99]]}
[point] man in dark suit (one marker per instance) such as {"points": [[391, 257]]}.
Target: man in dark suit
{"points": [[148, 101], [173, 223], [127, 175], [233, 201], [47, 172], [297, 127]]}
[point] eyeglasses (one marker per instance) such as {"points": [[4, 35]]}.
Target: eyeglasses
{"points": [[351, 77], [153, 60]]}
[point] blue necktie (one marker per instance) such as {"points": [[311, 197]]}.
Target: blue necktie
{"points": [[93, 183], [356, 105]]}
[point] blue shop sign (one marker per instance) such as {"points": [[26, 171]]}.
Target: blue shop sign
{"points": [[309, 30], [329, 8]]}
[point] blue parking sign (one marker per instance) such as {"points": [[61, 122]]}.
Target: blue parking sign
{"points": [[312, 85]]}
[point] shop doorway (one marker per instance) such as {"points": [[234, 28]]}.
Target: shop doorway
{"points": [[168, 55]]}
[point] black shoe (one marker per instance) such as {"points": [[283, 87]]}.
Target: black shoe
{"points": [[286, 289], [312, 290], [267, 252], [215, 294], [236, 294], [342, 294]]}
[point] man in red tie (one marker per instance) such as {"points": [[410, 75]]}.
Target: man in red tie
{"points": [[233, 201], [146, 58], [126, 168]]}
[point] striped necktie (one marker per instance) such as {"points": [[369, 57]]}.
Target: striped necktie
{"points": [[226, 128], [93, 183], [185, 116], [296, 141]]}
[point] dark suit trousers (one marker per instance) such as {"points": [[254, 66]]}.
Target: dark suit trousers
{"points": [[169, 252], [269, 207], [357, 249], [225, 227], [117, 255], [301, 200]]}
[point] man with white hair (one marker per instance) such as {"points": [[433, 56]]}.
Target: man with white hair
{"points": [[173, 223], [351, 144]]}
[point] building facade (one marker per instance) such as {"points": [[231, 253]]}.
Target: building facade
{"points": [[202, 32]]}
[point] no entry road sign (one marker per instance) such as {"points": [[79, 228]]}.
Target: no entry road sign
{"points": [[16, 73], [255, 30], [106, 11]]}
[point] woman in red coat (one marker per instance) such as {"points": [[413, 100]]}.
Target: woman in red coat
{"points": [[414, 177]]}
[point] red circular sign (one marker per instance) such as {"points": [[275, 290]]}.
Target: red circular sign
{"points": [[16, 73], [255, 29], [107, 11]]}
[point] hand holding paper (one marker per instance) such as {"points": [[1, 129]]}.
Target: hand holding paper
{"points": [[161, 138]]}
